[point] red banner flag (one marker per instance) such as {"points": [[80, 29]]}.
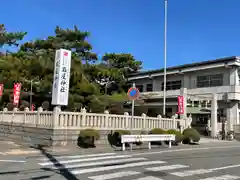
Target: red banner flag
{"points": [[1, 89], [16, 93], [180, 105]]}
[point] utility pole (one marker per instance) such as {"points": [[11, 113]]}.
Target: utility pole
{"points": [[165, 58], [31, 91]]}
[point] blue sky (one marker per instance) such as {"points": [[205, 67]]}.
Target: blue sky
{"points": [[197, 29]]}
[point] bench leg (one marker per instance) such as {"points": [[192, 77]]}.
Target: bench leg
{"points": [[123, 146], [149, 145], [170, 144]]}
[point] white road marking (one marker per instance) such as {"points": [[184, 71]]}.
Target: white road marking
{"points": [[114, 175], [170, 167], [98, 169], [225, 167], [184, 149], [149, 178], [80, 156], [202, 171], [5, 160], [99, 163], [191, 172], [82, 160], [224, 177], [21, 152]]}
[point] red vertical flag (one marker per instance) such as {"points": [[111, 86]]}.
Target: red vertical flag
{"points": [[1, 89], [16, 93], [180, 105]]}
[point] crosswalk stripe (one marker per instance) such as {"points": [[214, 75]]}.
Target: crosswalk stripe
{"points": [[191, 172], [149, 178], [90, 170], [161, 168], [82, 160], [224, 177], [109, 162], [79, 156], [114, 175]]}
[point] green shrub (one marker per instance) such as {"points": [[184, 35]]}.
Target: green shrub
{"points": [[190, 135], [157, 131], [87, 138], [178, 136], [114, 138]]}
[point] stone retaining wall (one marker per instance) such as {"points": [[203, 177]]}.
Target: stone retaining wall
{"points": [[47, 136]]}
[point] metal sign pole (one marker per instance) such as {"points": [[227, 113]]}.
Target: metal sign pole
{"points": [[133, 101], [132, 114]]}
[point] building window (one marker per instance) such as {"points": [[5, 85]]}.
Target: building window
{"points": [[210, 80], [149, 87], [172, 85], [140, 88]]}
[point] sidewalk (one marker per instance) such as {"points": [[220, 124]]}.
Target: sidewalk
{"points": [[205, 140]]}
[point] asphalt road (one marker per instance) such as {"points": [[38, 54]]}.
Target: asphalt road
{"points": [[212, 162]]}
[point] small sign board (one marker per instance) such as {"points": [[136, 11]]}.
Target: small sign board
{"points": [[133, 93]]}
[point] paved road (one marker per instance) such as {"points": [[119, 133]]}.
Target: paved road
{"points": [[198, 163]]}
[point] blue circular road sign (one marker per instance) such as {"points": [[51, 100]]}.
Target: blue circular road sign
{"points": [[133, 93]]}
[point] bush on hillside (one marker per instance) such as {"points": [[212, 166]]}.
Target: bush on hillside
{"points": [[190, 135], [87, 138]]}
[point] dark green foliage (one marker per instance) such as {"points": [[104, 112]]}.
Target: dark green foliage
{"points": [[87, 138], [10, 38], [178, 137], [114, 138], [191, 135], [88, 78], [157, 131]]}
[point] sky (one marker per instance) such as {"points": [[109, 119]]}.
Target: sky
{"points": [[198, 30]]}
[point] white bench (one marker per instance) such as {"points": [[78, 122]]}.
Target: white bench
{"points": [[146, 138]]}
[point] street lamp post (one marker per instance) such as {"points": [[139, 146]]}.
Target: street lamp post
{"points": [[32, 81], [31, 91], [165, 57]]}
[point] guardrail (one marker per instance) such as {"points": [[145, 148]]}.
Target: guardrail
{"points": [[146, 138]]}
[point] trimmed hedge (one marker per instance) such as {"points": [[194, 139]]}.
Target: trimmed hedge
{"points": [[114, 138], [190, 135], [87, 138], [178, 136], [157, 131]]}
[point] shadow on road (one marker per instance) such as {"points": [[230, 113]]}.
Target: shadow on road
{"points": [[62, 171]]}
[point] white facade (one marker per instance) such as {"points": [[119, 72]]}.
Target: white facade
{"points": [[198, 82]]}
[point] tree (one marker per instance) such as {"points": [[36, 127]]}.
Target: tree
{"points": [[42, 54], [10, 38], [94, 85], [119, 67]]}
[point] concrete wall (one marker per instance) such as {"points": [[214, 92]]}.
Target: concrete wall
{"points": [[26, 134], [57, 127], [46, 136]]}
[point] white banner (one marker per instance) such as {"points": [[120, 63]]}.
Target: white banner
{"points": [[60, 87]]}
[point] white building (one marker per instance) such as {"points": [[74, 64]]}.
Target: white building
{"points": [[199, 83]]}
